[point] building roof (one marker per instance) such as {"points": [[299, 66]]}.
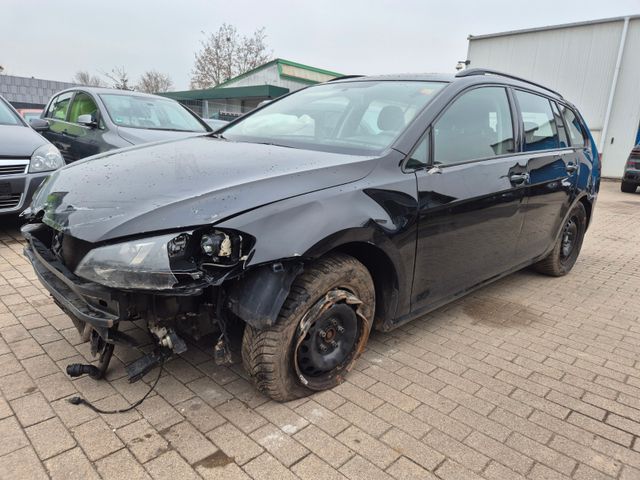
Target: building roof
{"points": [[291, 70], [257, 91], [553, 27]]}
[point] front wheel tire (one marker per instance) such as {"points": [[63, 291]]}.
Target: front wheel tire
{"points": [[628, 187], [567, 248], [319, 334]]}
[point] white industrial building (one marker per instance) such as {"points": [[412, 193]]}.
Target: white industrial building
{"points": [[595, 65]]}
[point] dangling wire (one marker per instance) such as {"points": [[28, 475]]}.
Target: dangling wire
{"points": [[81, 401]]}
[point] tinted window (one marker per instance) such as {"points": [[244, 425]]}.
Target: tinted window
{"points": [[59, 106], [540, 128], [477, 125], [573, 125], [82, 104], [360, 117]]}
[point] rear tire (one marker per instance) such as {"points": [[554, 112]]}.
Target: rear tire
{"points": [[282, 359], [628, 187], [567, 248]]}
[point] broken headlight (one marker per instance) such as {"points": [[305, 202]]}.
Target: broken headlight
{"points": [[136, 264], [220, 248]]}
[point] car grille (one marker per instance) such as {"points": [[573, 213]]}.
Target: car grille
{"points": [[10, 201], [13, 167]]}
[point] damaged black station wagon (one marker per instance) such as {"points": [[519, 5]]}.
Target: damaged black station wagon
{"points": [[289, 234]]}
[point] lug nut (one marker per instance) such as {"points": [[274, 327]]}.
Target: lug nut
{"points": [[323, 333], [340, 329], [334, 344], [323, 348]]}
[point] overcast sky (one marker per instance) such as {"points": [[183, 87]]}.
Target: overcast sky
{"points": [[53, 40]]}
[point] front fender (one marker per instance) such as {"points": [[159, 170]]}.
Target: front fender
{"points": [[303, 228], [310, 225]]}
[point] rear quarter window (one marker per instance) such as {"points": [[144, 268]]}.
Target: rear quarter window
{"points": [[576, 134]]}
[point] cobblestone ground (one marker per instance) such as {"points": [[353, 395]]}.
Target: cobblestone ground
{"points": [[532, 377]]}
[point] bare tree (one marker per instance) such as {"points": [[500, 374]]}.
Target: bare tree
{"points": [[226, 54], [85, 78], [119, 78], [154, 82]]}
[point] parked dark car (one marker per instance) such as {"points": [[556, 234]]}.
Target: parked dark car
{"points": [[631, 177], [25, 160], [356, 204], [85, 121]]}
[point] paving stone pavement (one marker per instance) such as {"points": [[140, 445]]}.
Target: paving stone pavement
{"points": [[532, 377]]}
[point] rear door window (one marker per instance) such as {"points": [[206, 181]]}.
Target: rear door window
{"points": [[476, 125], [59, 106], [540, 130]]}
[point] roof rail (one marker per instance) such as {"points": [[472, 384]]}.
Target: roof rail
{"points": [[485, 71], [344, 77]]}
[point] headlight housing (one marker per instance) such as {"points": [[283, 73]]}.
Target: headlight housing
{"points": [[45, 159], [152, 263], [136, 264]]}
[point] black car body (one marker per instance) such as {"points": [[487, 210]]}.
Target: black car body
{"points": [[361, 202], [631, 177], [85, 121], [23, 165]]}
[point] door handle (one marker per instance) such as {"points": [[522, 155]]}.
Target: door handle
{"points": [[571, 167], [519, 178]]}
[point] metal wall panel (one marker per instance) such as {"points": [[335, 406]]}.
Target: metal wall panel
{"points": [[625, 114], [28, 90]]}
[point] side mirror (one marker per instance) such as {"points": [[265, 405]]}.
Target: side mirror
{"points": [[39, 124], [87, 120]]}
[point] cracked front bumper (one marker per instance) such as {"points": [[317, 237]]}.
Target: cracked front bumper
{"points": [[81, 300]]}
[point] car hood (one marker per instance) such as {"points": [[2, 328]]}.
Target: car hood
{"points": [[137, 136], [19, 141], [185, 183]]}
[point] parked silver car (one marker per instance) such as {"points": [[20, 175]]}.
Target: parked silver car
{"points": [[26, 158]]}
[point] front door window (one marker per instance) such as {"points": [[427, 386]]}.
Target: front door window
{"points": [[477, 125]]}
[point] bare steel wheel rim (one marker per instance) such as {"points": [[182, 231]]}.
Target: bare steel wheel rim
{"points": [[329, 338], [569, 238]]}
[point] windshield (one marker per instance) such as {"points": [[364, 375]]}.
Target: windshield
{"points": [[150, 112], [8, 116], [362, 117]]}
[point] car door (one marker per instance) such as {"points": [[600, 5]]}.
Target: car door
{"points": [[56, 115], [84, 139], [552, 168], [470, 197]]}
